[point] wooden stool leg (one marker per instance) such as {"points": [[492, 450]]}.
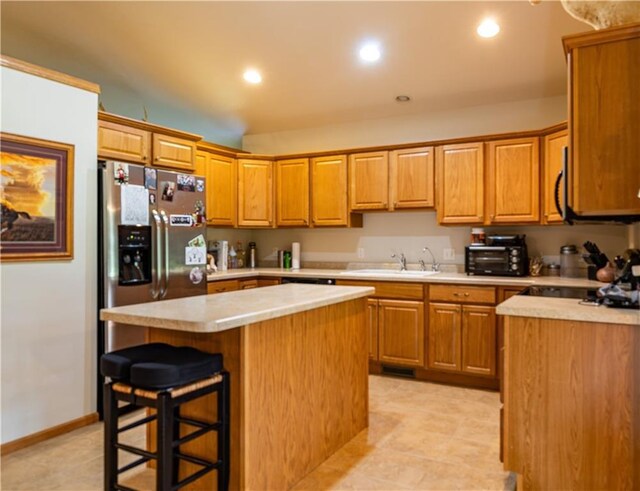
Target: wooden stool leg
{"points": [[224, 440], [110, 408], [176, 450], [164, 423]]}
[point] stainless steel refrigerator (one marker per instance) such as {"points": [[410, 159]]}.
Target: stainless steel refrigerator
{"points": [[152, 242]]}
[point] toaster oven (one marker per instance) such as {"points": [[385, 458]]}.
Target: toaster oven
{"points": [[502, 256]]}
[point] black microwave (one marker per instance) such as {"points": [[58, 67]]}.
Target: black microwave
{"points": [[508, 260]]}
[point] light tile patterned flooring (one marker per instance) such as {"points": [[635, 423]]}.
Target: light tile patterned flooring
{"points": [[421, 436]]}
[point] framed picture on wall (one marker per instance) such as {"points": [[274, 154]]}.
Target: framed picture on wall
{"points": [[36, 195]]}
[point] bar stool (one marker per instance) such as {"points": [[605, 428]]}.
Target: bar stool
{"points": [[164, 377]]}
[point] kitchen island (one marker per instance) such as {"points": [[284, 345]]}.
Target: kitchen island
{"points": [[298, 360], [571, 394]]}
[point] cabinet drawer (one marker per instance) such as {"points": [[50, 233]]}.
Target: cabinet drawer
{"points": [[248, 284], [462, 294], [121, 142], [384, 289], [223, 286]]}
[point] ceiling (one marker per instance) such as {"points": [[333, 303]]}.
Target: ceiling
{"points": [[194, 53]]}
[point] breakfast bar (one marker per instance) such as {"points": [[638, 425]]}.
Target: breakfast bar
{"points": [[298, 360]]}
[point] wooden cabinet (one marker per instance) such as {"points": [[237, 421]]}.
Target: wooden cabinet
{"points": [[462, 336], [121, 142], [255, 193], [248, 284], [604, 121], [460, 183], [329, 205], [173, 152], [222, 191], [395, 322], [411, 178], [369, 181], [513, 177], [268, 282], [553, 156], [292, 193], [401, 332], [222, 286]]}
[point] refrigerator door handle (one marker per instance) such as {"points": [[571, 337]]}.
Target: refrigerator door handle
{"points": [[165, 220], [156, 289]]}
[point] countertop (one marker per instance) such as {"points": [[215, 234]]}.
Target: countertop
{"points": [[442, 277], [223, 311], [566, 309]]}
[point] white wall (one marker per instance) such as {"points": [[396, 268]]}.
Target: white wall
{"points": [[48, 329], [410, 231]]}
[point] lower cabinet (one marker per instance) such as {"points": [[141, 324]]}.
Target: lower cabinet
{"points": [[462, 338], [401, 332], [372, 309]]}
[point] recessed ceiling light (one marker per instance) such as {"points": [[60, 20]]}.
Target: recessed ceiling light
{"points": [[403, 98], [252, 76], [370, 52], [488, 28]]}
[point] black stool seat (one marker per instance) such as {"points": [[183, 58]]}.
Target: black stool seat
{"points": [[159, 366]]}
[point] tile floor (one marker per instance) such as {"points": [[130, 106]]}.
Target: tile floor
{"points": [[421, 436]]}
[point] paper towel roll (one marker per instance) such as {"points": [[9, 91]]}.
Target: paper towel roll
{"points": [[295, 255], [223, 255]]}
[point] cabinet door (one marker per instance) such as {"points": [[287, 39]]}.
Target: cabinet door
{"points": [[222, 191], [553, 154], [604, 126], [174, 153], [292, 193], [513, 175], [369, 181], [444, 337], [329, 191], [460, 183], [401, 332], [222, 286], [479, 340], [255, 193], [372, 310], [200, 164], [411, 178], [119, 142]]}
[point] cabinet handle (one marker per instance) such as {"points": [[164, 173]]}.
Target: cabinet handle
{"points": [[466, 294], [492, 217], [144, 157], [157, 158], [456, 294]]}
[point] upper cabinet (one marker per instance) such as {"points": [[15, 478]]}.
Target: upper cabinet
{"points": [[604, 121], [369, 181], [130, 140], [553, 153], [120, 142], [411, 178], [222, 190], [292, 193], [460, 183], [329, 206], [255, 193], [513, 178]]}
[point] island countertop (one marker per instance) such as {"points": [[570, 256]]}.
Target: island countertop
{"points": [[223, 311], [568, 309]]}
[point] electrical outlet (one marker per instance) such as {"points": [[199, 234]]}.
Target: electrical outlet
{"points": [[360, 252], [449, 254]]}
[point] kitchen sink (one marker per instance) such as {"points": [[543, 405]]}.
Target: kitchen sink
{"points": [[389, 272]]}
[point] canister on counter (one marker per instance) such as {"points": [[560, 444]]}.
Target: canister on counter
{"points": [[287, 259], [281, 259], [252, 262]]}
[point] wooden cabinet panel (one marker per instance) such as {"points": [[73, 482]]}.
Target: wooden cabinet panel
{"points": [[268, 282], [389, 289], [411, 178], [401, 332], [604, 122], [292, 193], [200, 165], [222, 286], [172, 152], [255, 193], [329, 191], [479, 340], [553, 155], [372, 311], [460, 183], [247, 284], [462, 294], [444, 337], [513, 174], [222, 191], [369, 181], [120, 142]]}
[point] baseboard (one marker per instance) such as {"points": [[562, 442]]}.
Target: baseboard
{"points": [[40, 436]]}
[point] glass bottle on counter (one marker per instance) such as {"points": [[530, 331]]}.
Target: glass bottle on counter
{"points": [[233, 258], [240, 255]]}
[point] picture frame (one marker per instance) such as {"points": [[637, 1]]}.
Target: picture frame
{"points": [[36, 196]]}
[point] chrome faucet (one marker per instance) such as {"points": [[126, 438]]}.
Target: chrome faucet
{"points": [[434, 265], [402, 260], [423, 266]]}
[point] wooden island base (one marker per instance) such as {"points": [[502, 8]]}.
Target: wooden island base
{"points": [[299, 392]]}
